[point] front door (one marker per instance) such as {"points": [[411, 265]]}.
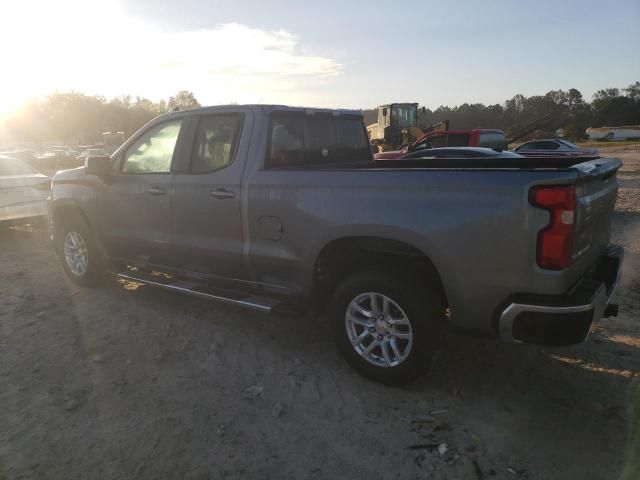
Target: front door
{"points": [[206, 209], [136, 203]]}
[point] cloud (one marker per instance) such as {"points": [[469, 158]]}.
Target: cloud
{"points": [[253, 51], [236, 49], [97, 49]]}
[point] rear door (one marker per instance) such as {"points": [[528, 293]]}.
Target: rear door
{"points": [[206, 215], [134, 205]]}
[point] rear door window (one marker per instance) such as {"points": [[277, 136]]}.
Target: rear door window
{"points": [[299, 139], [216, 142]]}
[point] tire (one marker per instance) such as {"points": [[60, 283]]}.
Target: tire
{"points": [[415, 344], [91, 272]]}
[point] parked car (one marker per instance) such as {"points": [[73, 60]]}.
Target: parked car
{"points": [[554, 148], [477, 137], [23, 190], [92, 152], [54, 160], [278, 208], [26, 155], [69, 150], [460, 152]]}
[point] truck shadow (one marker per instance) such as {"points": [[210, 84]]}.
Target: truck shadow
{"points": [[482, 369]]}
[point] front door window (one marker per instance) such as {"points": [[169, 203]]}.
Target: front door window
{"points": [[153, 151]]}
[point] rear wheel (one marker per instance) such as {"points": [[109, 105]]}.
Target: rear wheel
{"points": [[81, 259], [387, 325]]}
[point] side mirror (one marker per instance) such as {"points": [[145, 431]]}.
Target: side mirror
{"points": [[100, 166]]}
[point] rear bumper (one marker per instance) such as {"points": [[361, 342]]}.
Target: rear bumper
{"points": [[564, 319]]}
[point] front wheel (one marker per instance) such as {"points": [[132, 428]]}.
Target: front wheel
{"points": [[387, 326], [81, 259]]}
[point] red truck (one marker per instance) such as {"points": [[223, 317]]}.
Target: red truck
{"points": [[478, 137]]}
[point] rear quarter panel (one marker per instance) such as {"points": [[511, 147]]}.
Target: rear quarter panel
{"points": [[476, 227]]}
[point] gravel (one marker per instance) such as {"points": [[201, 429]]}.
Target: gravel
{"points": [[126, 382]]}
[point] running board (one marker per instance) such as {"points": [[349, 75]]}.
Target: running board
{"points": [[248, 301]]}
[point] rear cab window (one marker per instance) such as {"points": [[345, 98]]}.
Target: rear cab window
{"points": [[458, 140], [300, 139], [492, 140]]}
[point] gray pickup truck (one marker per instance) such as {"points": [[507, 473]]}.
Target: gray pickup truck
{"points": [[284, 209]]}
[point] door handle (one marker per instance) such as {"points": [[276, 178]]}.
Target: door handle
{"points": [[156, 191], [221, 193]]}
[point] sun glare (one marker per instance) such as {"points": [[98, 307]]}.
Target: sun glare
{"points": [[60, 48], [94, 47]]}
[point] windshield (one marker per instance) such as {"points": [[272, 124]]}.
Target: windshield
{"points": [[404, 116]]}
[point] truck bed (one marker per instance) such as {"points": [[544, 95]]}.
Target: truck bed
{"points": [[497, 163], [461, 212]]}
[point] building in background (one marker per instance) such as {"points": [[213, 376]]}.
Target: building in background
{"points": [[627, 132]]}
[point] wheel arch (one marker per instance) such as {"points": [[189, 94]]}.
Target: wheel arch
{"points": [[64, 209], [342, 256]]}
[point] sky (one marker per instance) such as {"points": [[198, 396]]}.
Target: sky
{"points": [[323, 53]]}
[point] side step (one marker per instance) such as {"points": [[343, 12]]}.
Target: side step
{"points": [[232, 298]]}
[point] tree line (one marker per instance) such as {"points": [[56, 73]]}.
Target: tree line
{"points": [[555, 109], [68, 116], [77, 118]]}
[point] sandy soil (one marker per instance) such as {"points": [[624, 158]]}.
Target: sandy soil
{"points": [[126, 382]]}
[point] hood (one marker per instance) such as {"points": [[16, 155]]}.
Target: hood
{"points": [[69, 174]]}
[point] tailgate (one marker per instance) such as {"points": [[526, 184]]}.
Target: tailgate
{"points": [[596, 193]]}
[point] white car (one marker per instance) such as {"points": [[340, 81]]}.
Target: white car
{"points": [[92, 152], [23, 190]]}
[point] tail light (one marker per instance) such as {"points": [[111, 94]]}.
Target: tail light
{"points": [[555, 242]]}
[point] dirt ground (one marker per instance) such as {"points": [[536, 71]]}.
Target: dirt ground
{"points": [[125, 382]]}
